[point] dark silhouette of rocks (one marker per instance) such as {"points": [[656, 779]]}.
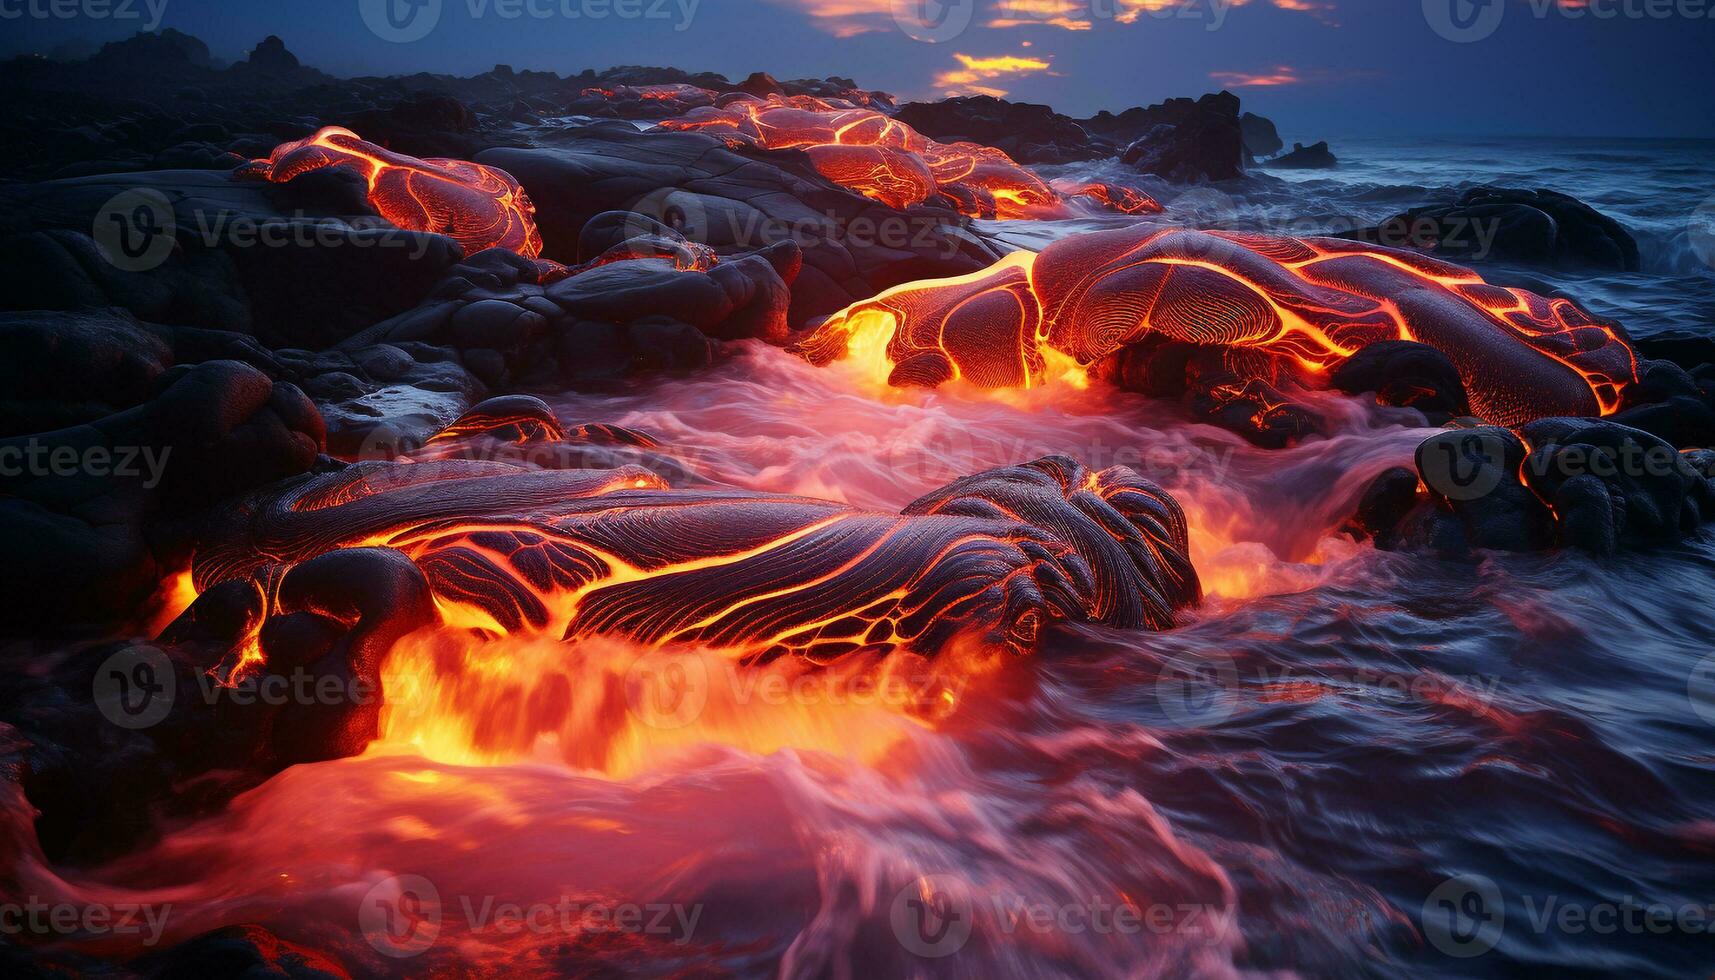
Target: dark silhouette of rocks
{"points": [[1260, 137], [1180, 139], [1316, 156], [1531, 227], [1027, 133]]}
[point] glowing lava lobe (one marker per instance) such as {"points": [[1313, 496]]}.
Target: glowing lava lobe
{"points": [[884, 159], [615, 553], [478, 206], [1293, 307]]}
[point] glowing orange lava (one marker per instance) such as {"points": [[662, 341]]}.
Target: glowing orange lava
{"points": [[884, 159], [479, 207], [1298, 307]]}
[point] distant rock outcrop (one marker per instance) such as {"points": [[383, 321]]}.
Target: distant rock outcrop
{"points": [[271, 56], [1027, 133], [1180, 139], [1313, 157], [1260, 136]]}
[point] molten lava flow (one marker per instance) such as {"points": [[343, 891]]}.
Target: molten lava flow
{"points": [[612, 707], [882, 158], [479, 207], [1282, 308], [575, 554]]}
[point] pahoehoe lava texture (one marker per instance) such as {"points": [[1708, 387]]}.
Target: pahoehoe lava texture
{"points": [[616, 552], [1303, 305]]}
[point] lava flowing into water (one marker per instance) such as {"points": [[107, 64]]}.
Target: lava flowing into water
{"points": [[884, 159], [479, 207], [1305, 304]]}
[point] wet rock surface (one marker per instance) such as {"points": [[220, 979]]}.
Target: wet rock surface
{"points": [[1529, 227]]}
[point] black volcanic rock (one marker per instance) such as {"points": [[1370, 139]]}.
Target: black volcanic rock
{"points": [[1260, 137], [167, 50], [1180, 139], [761, 84], [1533, 227], [90, 518], [736, 203], [1405, 374], [1592, 484], [1313, 157], [218, 270], [422, 125], [64, 369], [1027, 133], [271, 56]]}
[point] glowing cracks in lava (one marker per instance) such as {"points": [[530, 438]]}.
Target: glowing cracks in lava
{"points": [[884, 159], [1304, 304], [478, 206]]}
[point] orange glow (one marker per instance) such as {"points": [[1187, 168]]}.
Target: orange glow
{"points": [[1305, 304], [884, 159], [173, 596], [479, 207], [620, 709]]}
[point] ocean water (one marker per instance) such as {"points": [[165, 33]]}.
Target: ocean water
{"points": [[1344, 762]]}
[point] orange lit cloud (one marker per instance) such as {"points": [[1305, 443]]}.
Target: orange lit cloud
{"points": [[968, 79], [1281, 75], [847, 18]]}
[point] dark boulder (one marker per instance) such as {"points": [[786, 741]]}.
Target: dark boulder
{"points": [[271, 56], [1405, 374], [1027, 133], [1313, 157], [1586, 483], [1533, 227], [95, 514], [1612, 486], [1260, 137], [736, 203], [1180, 139]]}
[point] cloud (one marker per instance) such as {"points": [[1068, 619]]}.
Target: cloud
{"points": [[968, 79], [1281, 75], [1285, 75], [847, 18]]}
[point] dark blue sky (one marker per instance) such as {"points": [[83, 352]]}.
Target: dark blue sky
{"points": [[1337, 67]]}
